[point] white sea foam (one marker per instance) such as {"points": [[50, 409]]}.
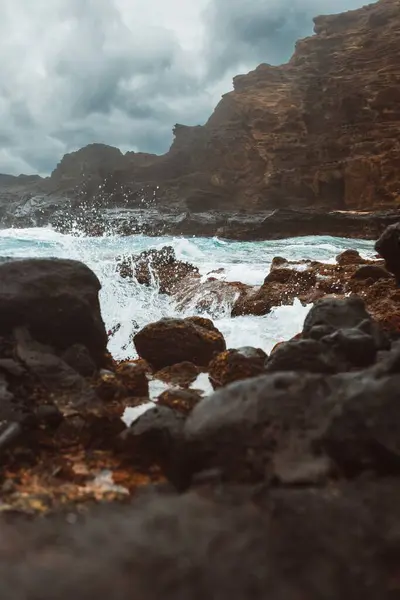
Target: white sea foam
{"points": [[132, 305]]}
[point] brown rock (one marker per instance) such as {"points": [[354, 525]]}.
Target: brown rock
{"points": [[180, 400], [172, 341], [371, 272], [349, 257], [234, 365], [281, 286], [180, 374], [160, 266], [320, 131]]}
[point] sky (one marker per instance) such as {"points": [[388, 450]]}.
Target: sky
{"points": [[123, 72]]}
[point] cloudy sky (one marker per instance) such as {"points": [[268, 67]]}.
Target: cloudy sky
{"points": [[123, 72]]}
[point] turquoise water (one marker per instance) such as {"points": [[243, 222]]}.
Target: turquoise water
{"points": [[127, 302]]}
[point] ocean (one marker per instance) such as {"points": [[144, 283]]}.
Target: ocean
{"points": [[131, 305]]}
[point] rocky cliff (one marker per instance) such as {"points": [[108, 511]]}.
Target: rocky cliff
{"points": [[319, 133]]}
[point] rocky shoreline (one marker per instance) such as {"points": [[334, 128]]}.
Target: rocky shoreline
{"points": [[289, 471]]}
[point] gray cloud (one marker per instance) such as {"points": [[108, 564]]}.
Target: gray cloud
{"points": [[122, 72]]}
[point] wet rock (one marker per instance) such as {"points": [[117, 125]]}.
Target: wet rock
{"points": [[172, 341], [57, 300], [371, 272], [133, 376], [281, 287], [161, 266], [388, 246], [349, 257], [181, 400], [308, 355], [245, 428], [211, 297], [78, 357], [364, 434], [278, 262], [336, 314], [181, 374], [234, 365], [154, 438]]}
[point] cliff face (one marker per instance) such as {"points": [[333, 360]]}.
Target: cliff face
{"points": [[321, 131]]}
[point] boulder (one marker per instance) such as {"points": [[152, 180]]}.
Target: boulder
{"points": [[308, 355], [234, 365], [154, 438], [288, 544], [334, 314], [181, 374], [57, 300], [181, 400], [388, 247], [364, 434], [373, 272], [349, 257], [251, 430], [171, 341]]}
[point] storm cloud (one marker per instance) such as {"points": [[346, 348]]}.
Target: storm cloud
{"points": [[123, 72]]}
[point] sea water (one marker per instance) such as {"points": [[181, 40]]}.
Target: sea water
{"points": [[129, 305]]}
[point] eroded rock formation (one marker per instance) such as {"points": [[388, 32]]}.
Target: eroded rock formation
{"points": [[319, 133]]}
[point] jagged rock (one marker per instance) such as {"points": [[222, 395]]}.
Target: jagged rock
{"points": [[388, 246], [211, 296], [234, 365], [281, 286], [159, 266], [339, 177], [171, 341], [57, 300]]}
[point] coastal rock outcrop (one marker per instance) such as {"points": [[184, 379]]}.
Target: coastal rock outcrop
{"points": [[309, 147], [157, 266]]}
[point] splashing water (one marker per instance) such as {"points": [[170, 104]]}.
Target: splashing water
{"points": [[126, 302]]}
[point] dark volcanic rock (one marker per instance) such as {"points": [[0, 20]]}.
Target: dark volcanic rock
{"points": [[234, 365], [293, 544], [308, 355], [250, 429], [155, 437], [172, 341], [388, 246], [365, 433], [57, 300], [334, 314]]}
